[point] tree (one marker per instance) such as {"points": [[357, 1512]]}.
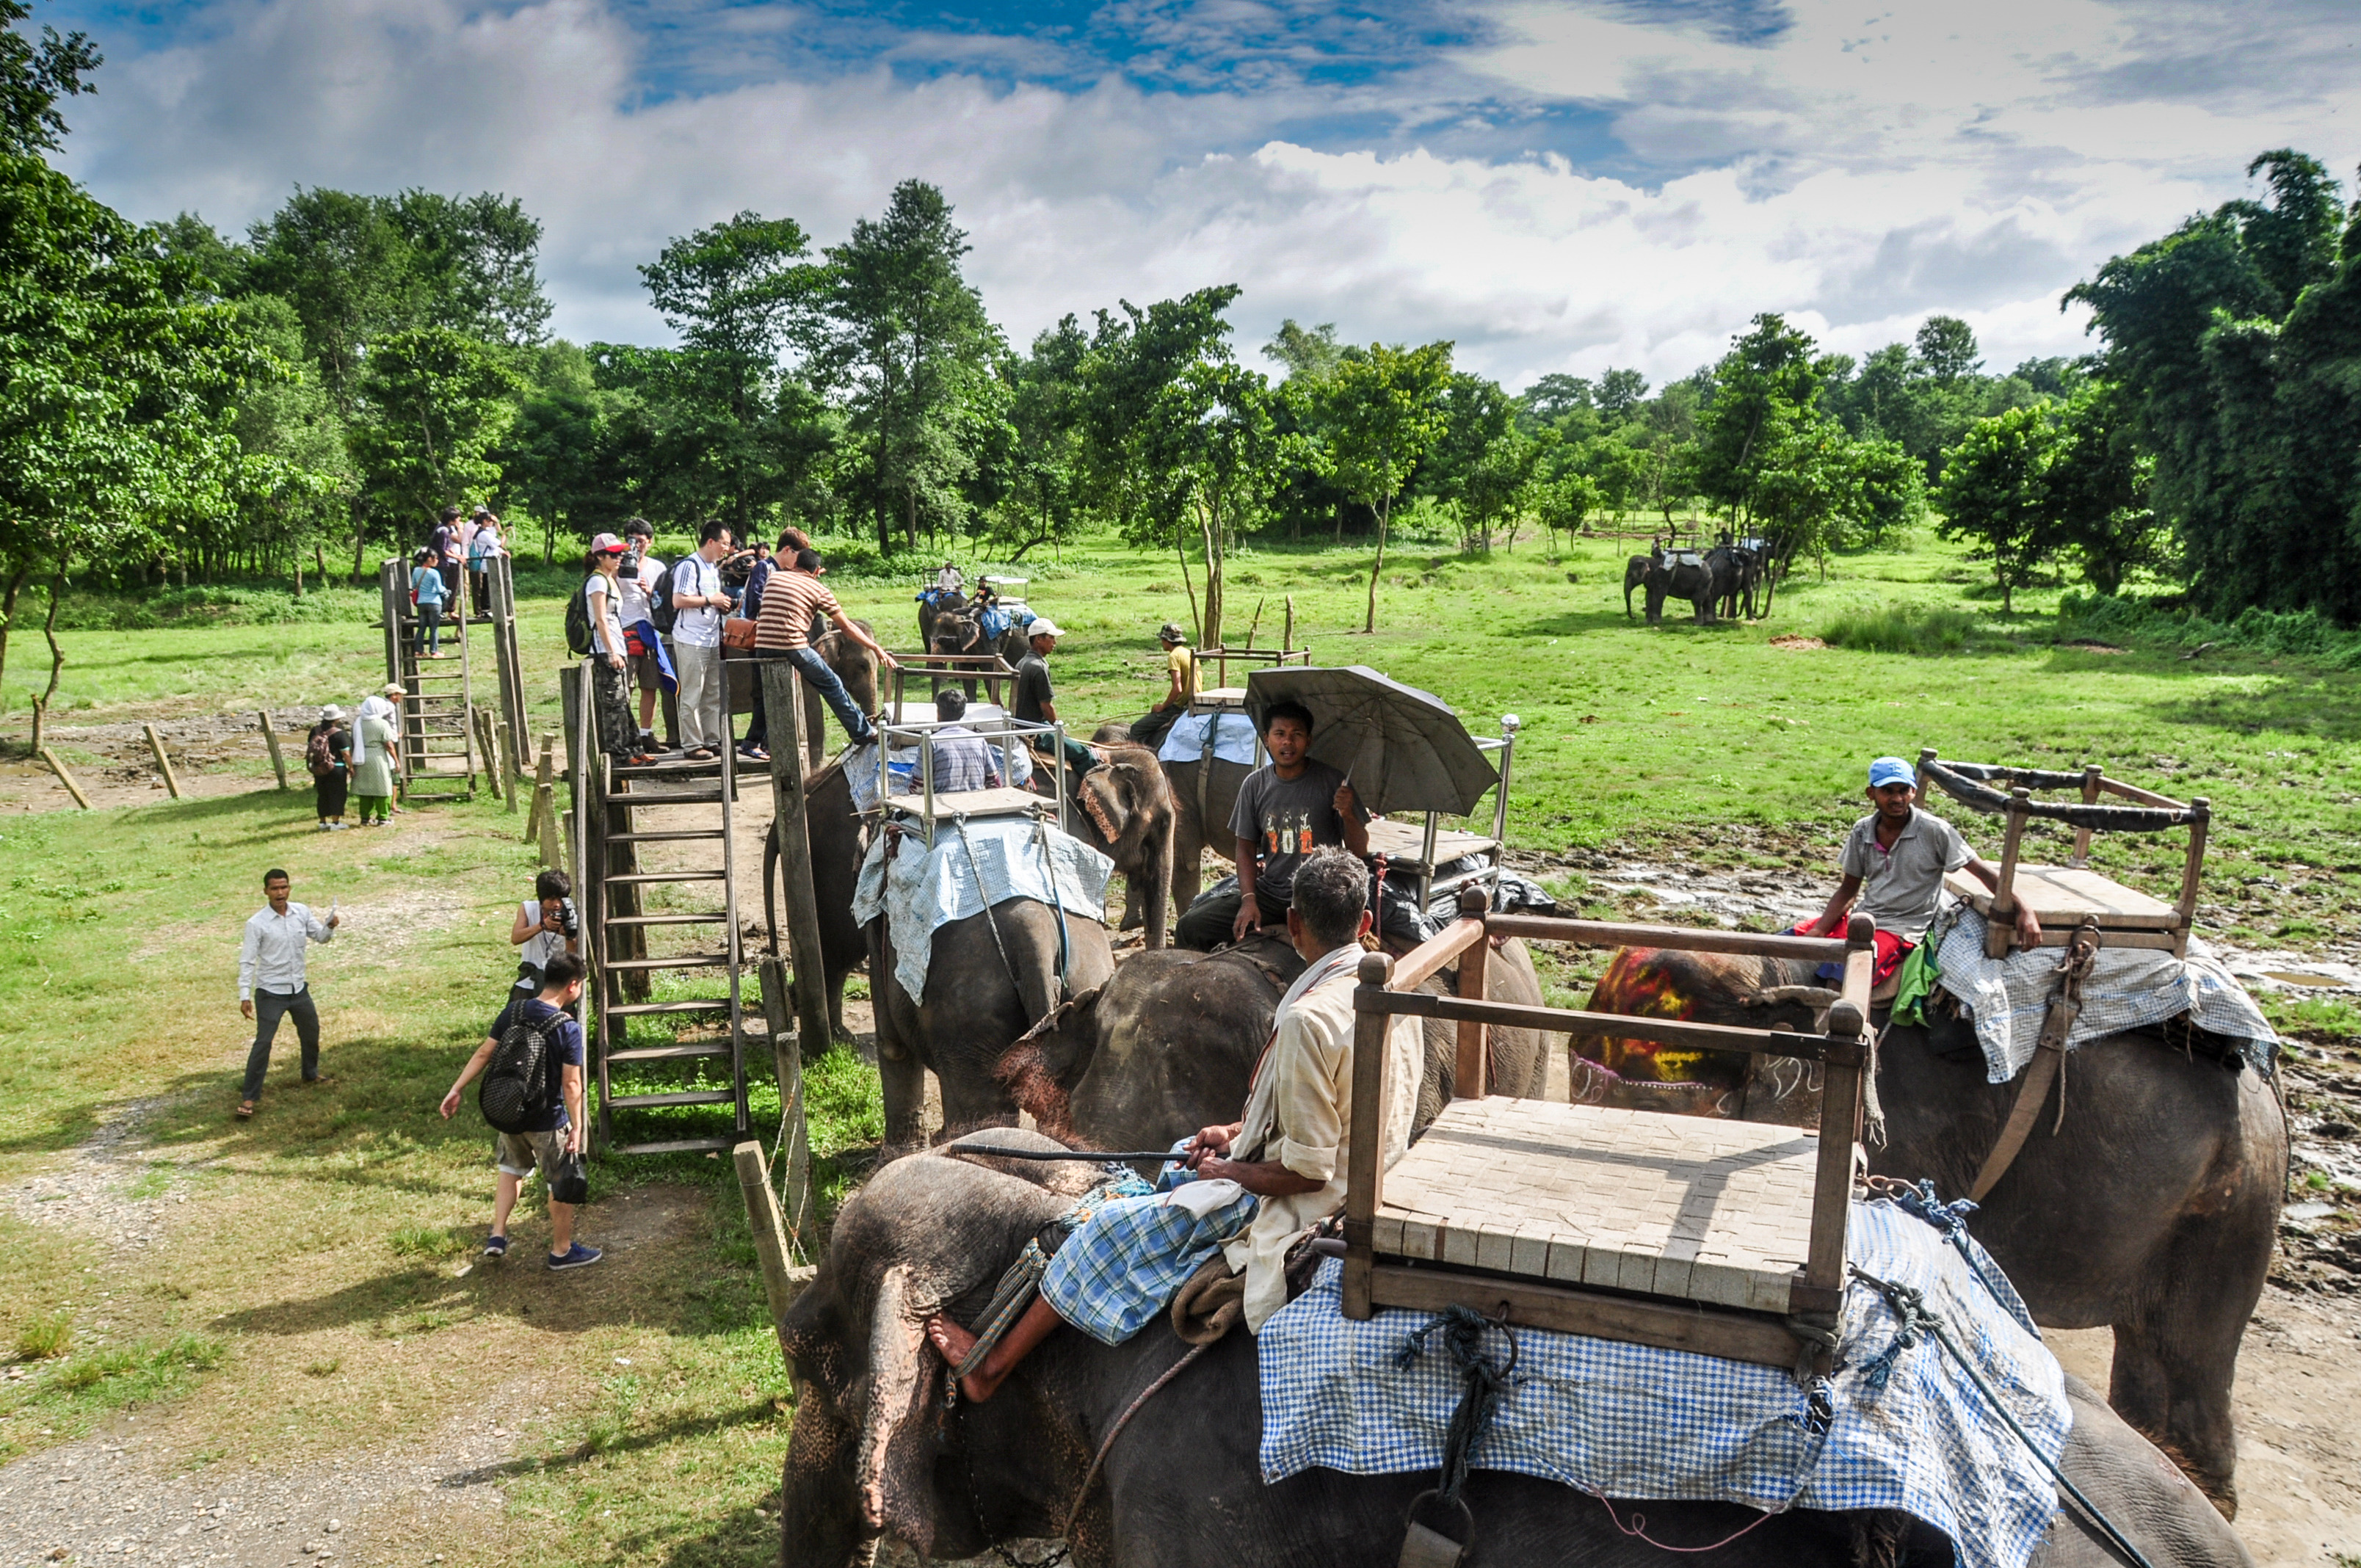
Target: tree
{"points": [[2098, 488], [1765, 389], [1947, 348], [1384, 409], [1309, 352], [1620, 392], [433, 404], [1212, 429], [731, 292], [1553, 397], [896, 328], [300, 497], [33, 77], [1996, 494]]}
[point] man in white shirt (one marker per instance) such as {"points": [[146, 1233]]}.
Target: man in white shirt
{"points": [[640, 569], [698, 605], [271, 985], [1261, 1182]]}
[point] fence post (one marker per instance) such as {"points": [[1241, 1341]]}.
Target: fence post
{"points": [[271, 738], [163, 762], [782, 700], [65, 778], [770, 1242]]}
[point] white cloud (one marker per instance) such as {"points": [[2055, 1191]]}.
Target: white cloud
{"points": [[1854, 175]]}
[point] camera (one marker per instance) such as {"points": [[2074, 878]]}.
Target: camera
{"points": [[567, 919]]}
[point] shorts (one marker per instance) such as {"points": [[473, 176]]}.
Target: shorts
{"points": [[643, 671], [516, 1154]]}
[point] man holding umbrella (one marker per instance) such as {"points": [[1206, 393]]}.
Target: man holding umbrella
{"points": [[1285, 811]]}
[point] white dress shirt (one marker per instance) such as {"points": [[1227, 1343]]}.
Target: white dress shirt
{"points": [[272, 956], [700, 627]]}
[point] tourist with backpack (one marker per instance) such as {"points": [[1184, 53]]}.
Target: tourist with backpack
{"points": [[594, 628], [530, 1065], [647, 614], [328, 756]]}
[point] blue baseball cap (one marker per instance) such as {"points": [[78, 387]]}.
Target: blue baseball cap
{"points": [[1891, 770]]}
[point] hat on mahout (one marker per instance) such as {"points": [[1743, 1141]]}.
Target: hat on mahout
{"points": [[1170, 632], [1043, 626], [1891, 770]]}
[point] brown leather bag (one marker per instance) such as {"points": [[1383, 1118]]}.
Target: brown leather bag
{"points": [[738, 632]]}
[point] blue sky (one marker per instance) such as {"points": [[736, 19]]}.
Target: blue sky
{"points": [[1553, 186]]}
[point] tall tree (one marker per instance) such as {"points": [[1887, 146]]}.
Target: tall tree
{"points": [[1996, 495], [1212, 431], [34, 76], [433, 405], [1947, 348], [1384, 410], [897, 329]]}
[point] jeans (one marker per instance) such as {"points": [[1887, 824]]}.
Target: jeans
{"points": [[704, 722], [824, 681], [429, 627], [758, 729], [1205, 924], [269, 1006]]}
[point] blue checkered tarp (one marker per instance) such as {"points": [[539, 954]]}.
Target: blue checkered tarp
{"points": [[1124, 1265], [1626, 1420]]}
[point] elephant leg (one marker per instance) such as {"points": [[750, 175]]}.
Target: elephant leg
{"points": [[1133, 918], [904, 1084], [2176, 1349]]}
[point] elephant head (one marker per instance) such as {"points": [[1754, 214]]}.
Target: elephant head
{"points": [[928, 1234], [1128, 805]]}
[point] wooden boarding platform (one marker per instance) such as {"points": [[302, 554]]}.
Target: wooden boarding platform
{"points": [[1726, 1238], [1693, 1209], [1001, 802]]}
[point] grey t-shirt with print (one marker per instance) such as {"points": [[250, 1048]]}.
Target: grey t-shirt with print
{"points": [[1900, 886], [1286, 819]]}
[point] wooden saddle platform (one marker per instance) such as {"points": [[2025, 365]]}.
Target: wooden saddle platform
{"points": [[1687, 1232]]}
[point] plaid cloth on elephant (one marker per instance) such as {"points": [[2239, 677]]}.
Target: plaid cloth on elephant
{"points": [[1121, 1268]]}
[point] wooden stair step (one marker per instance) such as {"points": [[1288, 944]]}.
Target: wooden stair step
{"points": [[675, 1146], [669, 1053], [669, 835], [679, 1097], [716, 917], [652, 1009], [676, 961], [645, 879]]}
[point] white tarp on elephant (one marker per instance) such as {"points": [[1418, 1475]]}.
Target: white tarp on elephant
{"points": [[1233, 737], [2129, 988], [972, 866]]}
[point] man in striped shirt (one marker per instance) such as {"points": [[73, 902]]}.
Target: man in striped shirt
{"points": [[791, 600]]}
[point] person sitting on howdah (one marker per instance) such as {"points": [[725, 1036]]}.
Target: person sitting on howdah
{"points": [[1261, 1183], [1285, 810], [1894, 863], [1179, 686]]}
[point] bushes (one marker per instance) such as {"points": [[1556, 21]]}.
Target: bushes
{"points": [[2303, 634], [1929, 630], [204, 607]]}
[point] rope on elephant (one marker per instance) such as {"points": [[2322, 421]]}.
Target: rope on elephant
{"points": [[1058, 903], [1910, 1306], [1962, 788], [1021, 1279], [977, 867]]}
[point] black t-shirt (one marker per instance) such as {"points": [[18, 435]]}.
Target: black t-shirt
{"points": [[1032, 687], [534, 1010]]}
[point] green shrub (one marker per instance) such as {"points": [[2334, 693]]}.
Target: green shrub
{"points": [[426, 1241], [2302, 634], [1928, 631]]}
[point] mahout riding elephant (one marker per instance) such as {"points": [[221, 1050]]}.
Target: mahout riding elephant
{"points": [[953, 630], [2150, 1208], [877, 1450], [1169, 1044], [1124, 809], [990, 978], [833, 829], [1744, 569], [1203, 795]]}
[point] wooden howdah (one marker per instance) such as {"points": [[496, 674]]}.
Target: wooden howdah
{"points": [[1687, 1233]]}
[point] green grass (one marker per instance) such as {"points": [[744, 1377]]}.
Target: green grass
{"points": [[1925, 631], [45, 1337]]}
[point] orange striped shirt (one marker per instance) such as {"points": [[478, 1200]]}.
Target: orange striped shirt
{"points": [[790, 600]]}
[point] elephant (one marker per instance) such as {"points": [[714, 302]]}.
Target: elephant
{"points": [[876, 1450], [1123, 809], [961, 630], [1168, 1044], [1743, 566], [833, 828], [1202, 793], [1700, 582], [1635, 574], [2100, 1221], [990, 978]]}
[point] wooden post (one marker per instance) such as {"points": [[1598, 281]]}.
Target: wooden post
{"points": [[544, 801], [787, 1060], [2090, 774], [2202, 812], [512, 771], [65, 778], [782, 701], [481, 717], [163, 763], [1365, 1171], [543, 789], [2000, 930], [1471, 1076], [770, 1241], [270, 739], [1287, 636]]}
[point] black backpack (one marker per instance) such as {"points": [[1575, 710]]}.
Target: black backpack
{"points": [[319, 751], [516, 1084], [660, 606], [577, 625]]}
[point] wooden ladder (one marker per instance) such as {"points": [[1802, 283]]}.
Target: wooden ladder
{"points": [[624, 932], [438, 730]]}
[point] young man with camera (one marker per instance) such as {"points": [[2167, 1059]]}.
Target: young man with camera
{"points": [[545, 925], [553, 1135]]}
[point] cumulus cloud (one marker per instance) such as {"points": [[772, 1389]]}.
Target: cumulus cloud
{"points": [[1856, 174]]}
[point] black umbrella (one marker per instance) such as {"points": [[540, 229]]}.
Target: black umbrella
{"points": [[1401, 749]]}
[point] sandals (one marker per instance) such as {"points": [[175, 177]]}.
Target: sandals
{"points": [[246, 1109]]}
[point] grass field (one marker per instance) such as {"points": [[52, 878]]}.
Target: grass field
{"points": [[298, 1296]]}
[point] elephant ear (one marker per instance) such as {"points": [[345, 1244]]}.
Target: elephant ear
{"points": [[1041, 1069], [895, 1457]]}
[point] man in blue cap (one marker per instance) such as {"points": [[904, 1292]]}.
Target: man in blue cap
{"points": [[1894, 863]]}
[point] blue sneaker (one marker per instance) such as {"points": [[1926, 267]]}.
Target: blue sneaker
{"points": [[575, 1256], [496, 1246]]}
